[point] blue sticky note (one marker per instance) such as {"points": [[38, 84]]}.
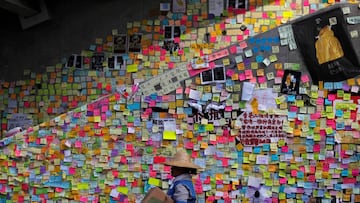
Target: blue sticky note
{"points": [[257, 150], [291, 98], [339, 113], [338, 85], [188, 110], [337, 187], [201, 129], [312, 124], [328, 85], [308, 185], [292, 115], [266, 147], [259, 58], [327, 102], [274, 157], [121, 72], [251, 40], [229, 82], [344, 172]]}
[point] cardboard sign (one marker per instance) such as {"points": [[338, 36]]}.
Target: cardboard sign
{"points": [[156, 195]]}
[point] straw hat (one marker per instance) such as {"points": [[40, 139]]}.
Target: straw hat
{"points": [[182, 159]]}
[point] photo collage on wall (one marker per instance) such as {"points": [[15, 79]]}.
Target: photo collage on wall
{"points": [[170, 35], [215, 75]]}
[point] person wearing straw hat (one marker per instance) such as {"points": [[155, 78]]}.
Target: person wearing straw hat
{"points": [[182, 189]]}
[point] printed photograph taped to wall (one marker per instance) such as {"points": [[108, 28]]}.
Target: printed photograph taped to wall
{"points": [[116, 62], [120, 44], [135, 42]]}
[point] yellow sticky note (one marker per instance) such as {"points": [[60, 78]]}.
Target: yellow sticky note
{"points": [[154, 181], [204, 145], [209, 127], [282, 195], [328, 130], [282, 165], [287, 14], [132, 68], [123, 190], [347, 96], [97, 119], [252, 157], [239, 147], [83, 186], [169, 135], [266, 174], [268, 182]]}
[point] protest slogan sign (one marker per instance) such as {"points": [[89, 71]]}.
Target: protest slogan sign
{"points": [[257, 129]]}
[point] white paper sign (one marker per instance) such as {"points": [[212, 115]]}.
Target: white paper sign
{"points": [[247, 91]]}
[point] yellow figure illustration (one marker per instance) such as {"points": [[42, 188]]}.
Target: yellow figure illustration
{"points": [[328, 47]]}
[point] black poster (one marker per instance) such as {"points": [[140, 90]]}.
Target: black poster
{"points": [[326, 47]]}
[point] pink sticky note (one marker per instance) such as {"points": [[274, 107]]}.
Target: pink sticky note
{"points": [[162, 52], [83, 199], [171, 65], [227, 38], [152, 103], [293, 6], [233, 49], [331, 97], [145, 51], [279, 73], [222, 26], [242, 77], [78, 144], [316, 148], [96, 112], [261, 79], [306, 2], [320, 101], [293, 108], [284, 149], [305, 78], [228, 108], [177, 39], [265, 15], [243, 44], [229, 72], [282, 180], [315, 116], [248, 74], [72, 170]]}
